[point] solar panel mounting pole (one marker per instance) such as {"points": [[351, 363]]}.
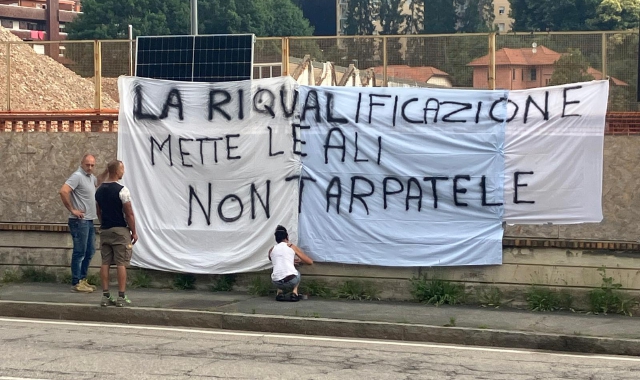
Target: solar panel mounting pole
{"points": [[194, 17]]}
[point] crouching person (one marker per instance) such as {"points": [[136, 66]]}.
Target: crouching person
{"points": [[284, 256], [118, 232]]}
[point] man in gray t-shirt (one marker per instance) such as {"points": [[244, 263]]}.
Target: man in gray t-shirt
{"points": [[78, 196]]}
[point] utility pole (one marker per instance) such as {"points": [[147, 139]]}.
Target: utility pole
{"points": [[194, 17]]}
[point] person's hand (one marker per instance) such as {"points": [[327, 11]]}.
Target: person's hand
{"points": [[134, 238], [78, 214]]}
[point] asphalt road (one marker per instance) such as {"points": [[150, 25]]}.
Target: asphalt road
{"points": [[39, 349]]}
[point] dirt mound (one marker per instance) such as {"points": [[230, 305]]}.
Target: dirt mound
{"points": [[39, 83]]}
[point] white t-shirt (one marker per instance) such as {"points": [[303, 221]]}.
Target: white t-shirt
{"points": [[282, 258]]}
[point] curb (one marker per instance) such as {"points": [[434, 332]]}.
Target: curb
{"points": [[321, 326]]}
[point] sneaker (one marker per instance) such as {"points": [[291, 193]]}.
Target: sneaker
{"points": [[123, 301], [87, 284], [106, 301], [81, 288]]}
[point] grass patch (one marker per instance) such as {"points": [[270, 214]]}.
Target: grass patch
{"points": [[358, 290], [36, 274], [223, 283], [140, 279], [436, 291], [184, 281], [545, 299], [11, 276], [490, 297], [66, 278], [316, 288], [608, 299], [260, 286]]}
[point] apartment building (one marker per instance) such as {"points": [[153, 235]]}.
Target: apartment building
{"points": [[38, 20], [502, 20]]}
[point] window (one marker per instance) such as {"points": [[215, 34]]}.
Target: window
{"points": [[533, 74], [513, 74], [500, 10], [501, 27], [7, 24]]}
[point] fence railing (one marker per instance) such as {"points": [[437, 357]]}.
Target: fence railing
{"points": [[81, 76]]}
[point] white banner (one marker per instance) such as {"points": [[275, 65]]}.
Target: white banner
{"points": [[207, 165], [400, 177], [380, 176], [554, 146]]}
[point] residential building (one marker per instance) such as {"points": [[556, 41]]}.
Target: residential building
{"points": [[406, 76], [518, 69], [502, 20], [38, 20]]}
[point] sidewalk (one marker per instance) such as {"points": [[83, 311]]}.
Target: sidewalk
{"points": [[558, 331]]}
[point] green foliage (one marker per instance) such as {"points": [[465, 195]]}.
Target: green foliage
{"points": [[66, 278], [223, 283], [391, 20], [491, 297], [571, 68], [260, 286], [109, 19], [184, 281], [140, 279], [358, 290], [94, 279], [35, 274], [436, 291], [316, 288], [11, 276], [439, 17], [608, 299], [476, 16], [545, 299]]}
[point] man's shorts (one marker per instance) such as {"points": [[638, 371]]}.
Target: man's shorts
{"points": [[115, 246], [287, 282]]}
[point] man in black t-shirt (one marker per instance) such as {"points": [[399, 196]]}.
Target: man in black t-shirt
{"points": [[118, 232]]}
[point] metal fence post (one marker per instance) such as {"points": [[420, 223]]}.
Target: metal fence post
{"points": [[97, 67], [604, 55], [385, 77], [285, 56], [8, 76], [492, 61]]}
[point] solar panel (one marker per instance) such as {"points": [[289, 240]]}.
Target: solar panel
{"points": [[202, 58]]}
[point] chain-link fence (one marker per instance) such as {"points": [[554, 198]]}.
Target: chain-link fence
{"points": [[82, 75]]}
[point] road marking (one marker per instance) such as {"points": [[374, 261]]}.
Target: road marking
{"points": [[317, 338]]}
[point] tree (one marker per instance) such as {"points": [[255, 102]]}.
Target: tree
{"points": [[414, 24], [616, 15], [439, 17], [552, 15], [361, 15], [109, 19], [264, 18], [320, 16], [391, 20], [475, 16], [572, 67]]}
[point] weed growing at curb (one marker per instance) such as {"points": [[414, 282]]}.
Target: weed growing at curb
{"points": [[35, 274], [66, 278], [490, 297], [10, 276], [452, 322], [544, 299], [607, 298], [260, 286], [437, 291], [358, 290], [184, 281], [140, 279], [223, 283], [316, 288], [94, 279]]}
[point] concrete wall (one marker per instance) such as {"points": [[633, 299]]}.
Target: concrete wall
{"points": [[38, 163], [574, 271]]}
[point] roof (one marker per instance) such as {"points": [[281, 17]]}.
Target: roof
{"points": [[597, 75], [417, 74], [520, 57]]}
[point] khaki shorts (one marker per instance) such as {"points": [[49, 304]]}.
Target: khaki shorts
{"points": [[115, 246]]}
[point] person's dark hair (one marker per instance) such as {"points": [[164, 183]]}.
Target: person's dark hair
{"points": [[281, 235], [281, 228]]}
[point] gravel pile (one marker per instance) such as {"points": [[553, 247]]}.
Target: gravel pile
{"points": [[39, 83]]}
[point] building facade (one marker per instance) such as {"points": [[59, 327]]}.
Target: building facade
{"points": [[38, 20]]}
